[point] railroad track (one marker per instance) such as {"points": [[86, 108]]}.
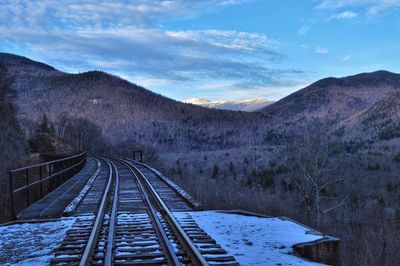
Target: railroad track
{"points": [[126, 217]]}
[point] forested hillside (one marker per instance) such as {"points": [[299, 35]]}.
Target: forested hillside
{"points": [[332, 100], [126, 112], [122, 113], [379, 122], [12, 140]]}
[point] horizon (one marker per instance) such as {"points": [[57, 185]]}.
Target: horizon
{"points": [[188, 50]]}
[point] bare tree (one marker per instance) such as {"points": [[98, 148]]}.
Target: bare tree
{"points": [[312, 164], [61, 124], [83, 134]]}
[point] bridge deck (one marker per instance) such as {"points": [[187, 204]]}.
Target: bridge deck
{"points": [[152, 221], [53, 204]]}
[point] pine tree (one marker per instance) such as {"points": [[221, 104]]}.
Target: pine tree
{"points": [[215, 172]]}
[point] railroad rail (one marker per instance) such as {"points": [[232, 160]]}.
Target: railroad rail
{"points": [[126, 217]]}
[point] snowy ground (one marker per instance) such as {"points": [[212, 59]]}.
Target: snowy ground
{"points": [[31, 243], [253, 240]]}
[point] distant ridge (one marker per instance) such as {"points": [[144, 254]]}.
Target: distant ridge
{"points": [[238, 105], [332, 100], [15, 61]]}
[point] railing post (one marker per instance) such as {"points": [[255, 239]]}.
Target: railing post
{"points": [[41, 181], [64, 174], [57, 174], [70, 170], [27, 187], [51, 181], [73, 167], [12, 197], [54, 167]]}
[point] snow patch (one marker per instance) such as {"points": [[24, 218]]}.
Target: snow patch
{"points": [[198, 101], [32, 243], [255, 240], [250, 105]]}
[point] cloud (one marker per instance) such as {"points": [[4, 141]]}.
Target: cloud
{"points": [[373, 7], [346, 58], [321, 50], [72, 13], [333, 4], [383, 7], [305, 46], [126, 38], [346, 15], [303, 30], [233, 41]]}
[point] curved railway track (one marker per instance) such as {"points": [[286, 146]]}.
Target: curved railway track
{"points": [[126, 217]]}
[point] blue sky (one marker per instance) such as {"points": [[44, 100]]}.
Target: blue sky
{"points": [[219, 50]]}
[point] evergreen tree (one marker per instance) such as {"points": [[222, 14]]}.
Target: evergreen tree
{"points": [[215, 172]]}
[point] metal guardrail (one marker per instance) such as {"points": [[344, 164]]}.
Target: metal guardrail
{"points": [[52, 173]]}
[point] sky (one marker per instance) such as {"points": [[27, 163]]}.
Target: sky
{"points": [[218, 50]]}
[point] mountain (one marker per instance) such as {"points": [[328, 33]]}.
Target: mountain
{"points": [[379, 122], [125, 112], [129, 116], [239, 105], [332, 100]]}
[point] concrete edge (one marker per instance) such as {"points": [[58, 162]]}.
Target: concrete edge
{"points": [[325, 250], [310, 231], [246, 213], [31, 221]]}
